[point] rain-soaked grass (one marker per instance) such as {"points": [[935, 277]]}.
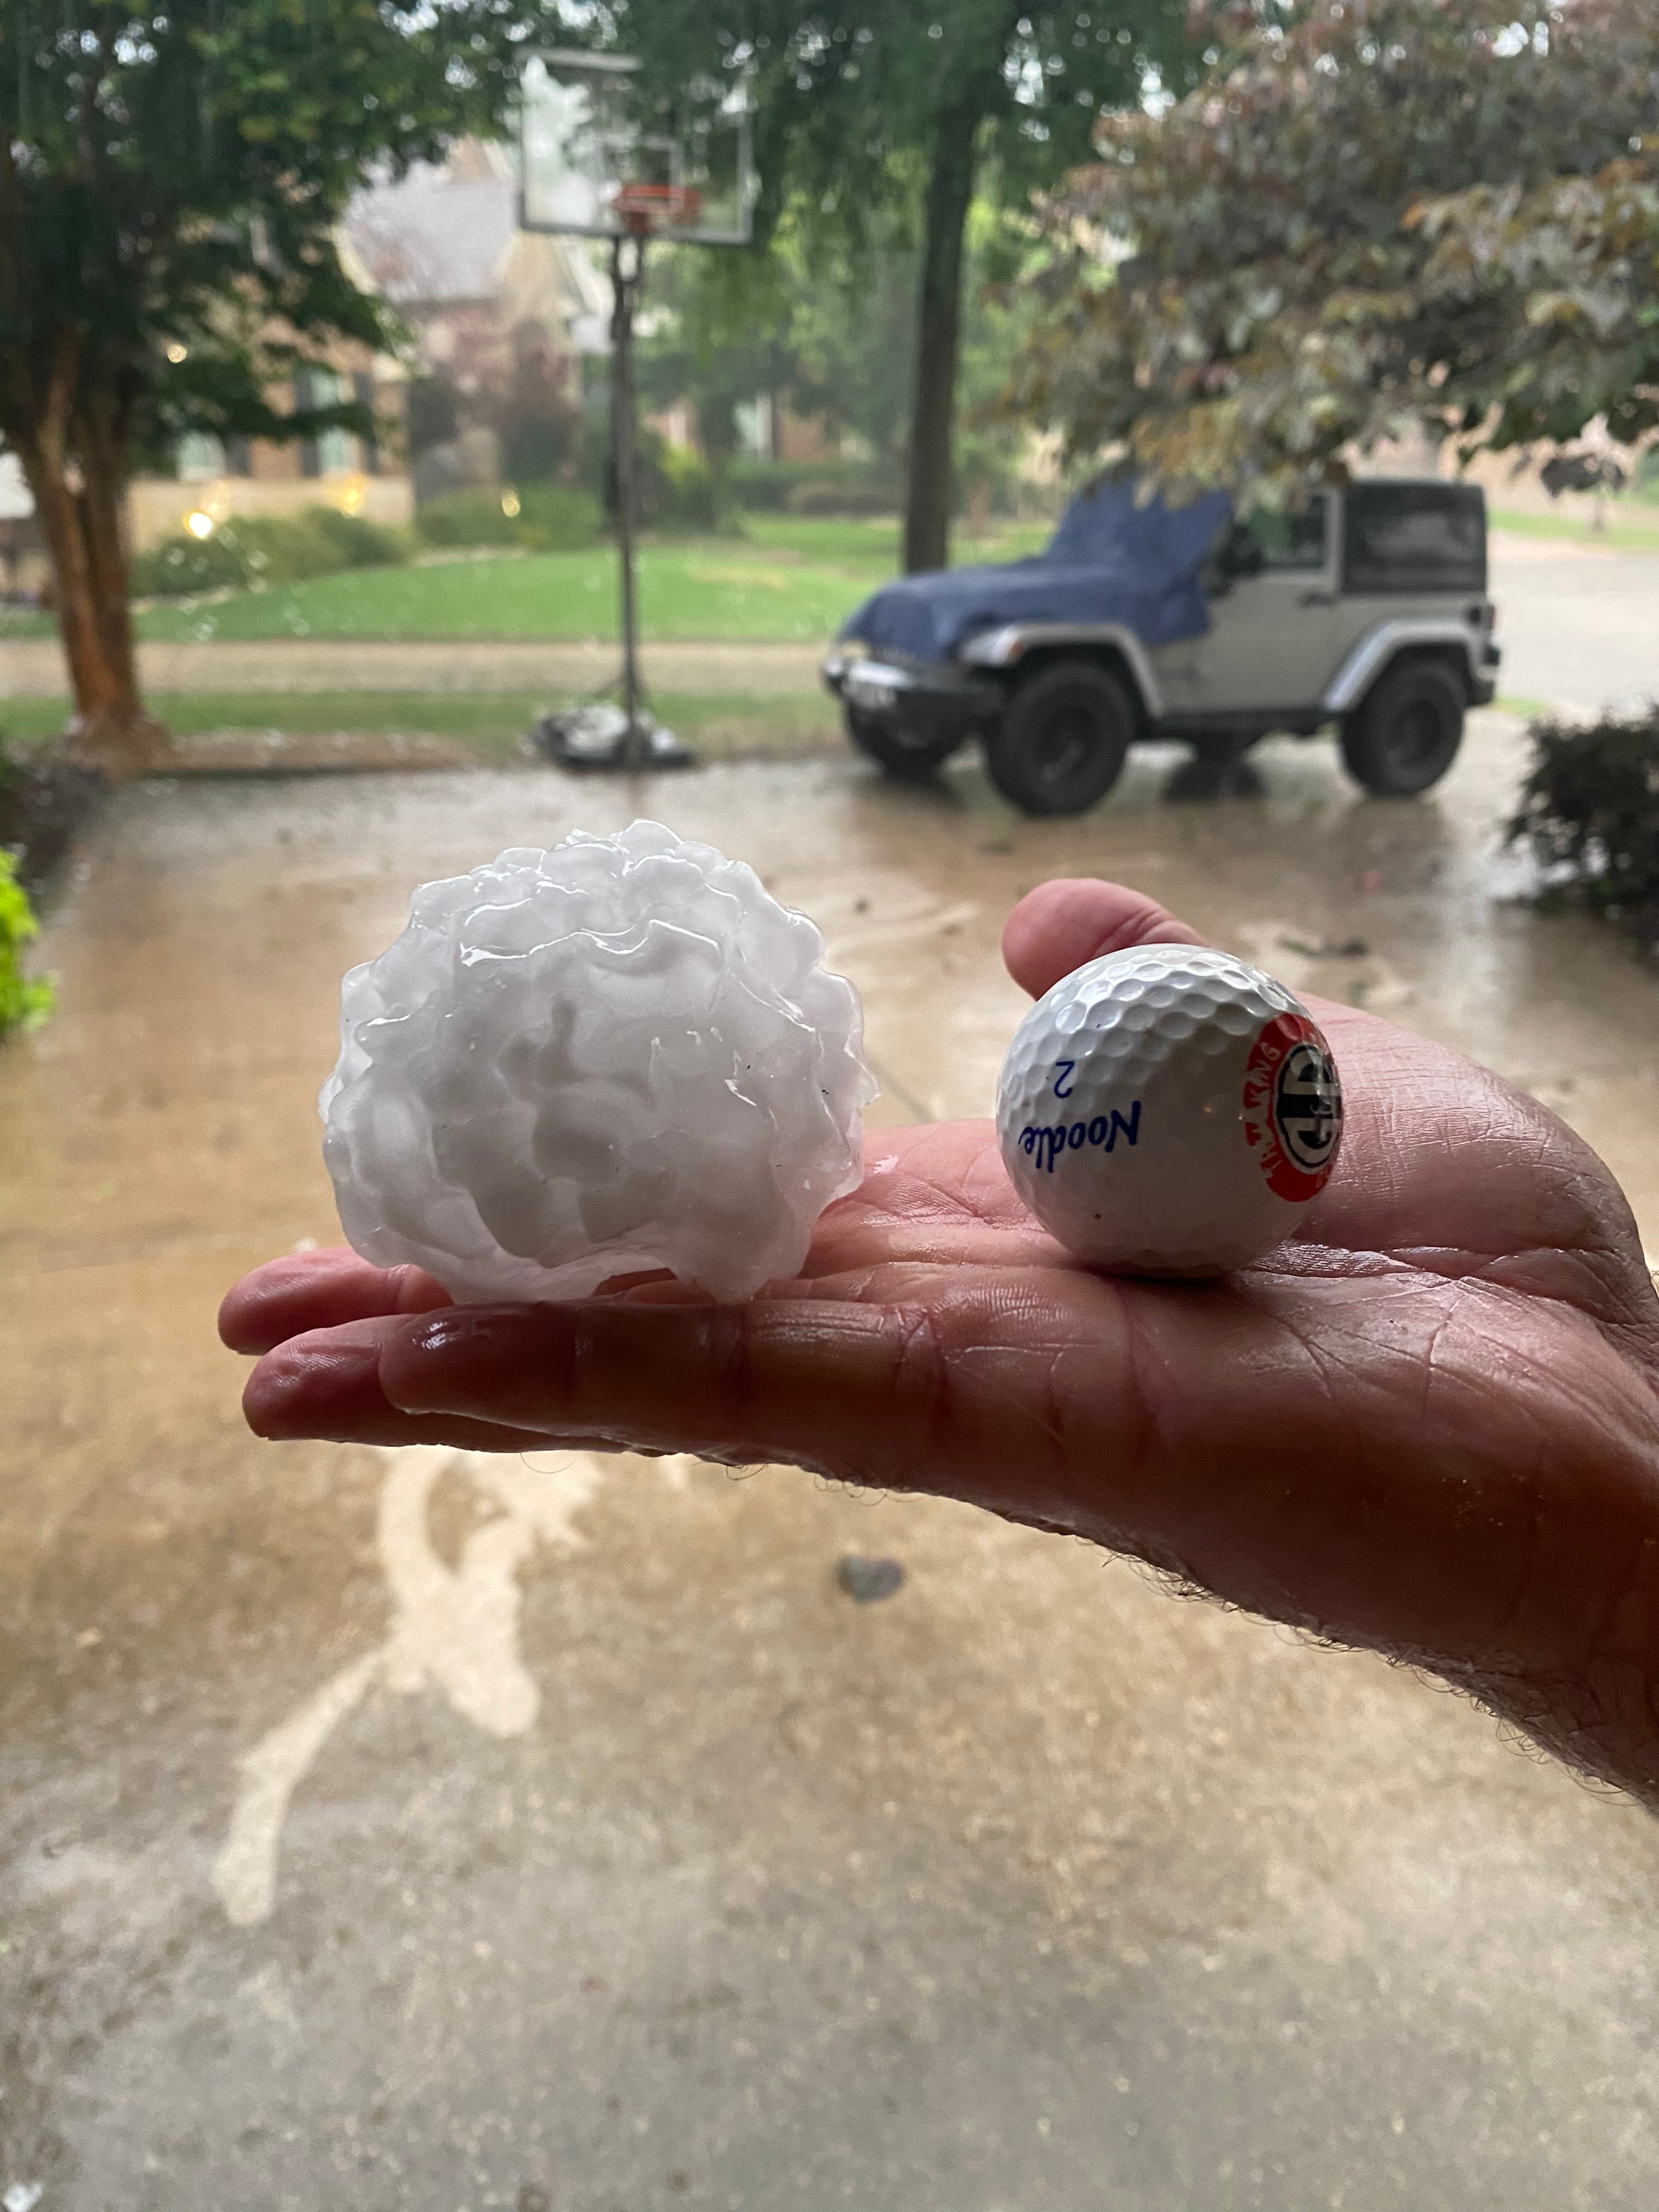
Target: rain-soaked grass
{"points": [[1631, 527], [722, 726], [780, 577]]}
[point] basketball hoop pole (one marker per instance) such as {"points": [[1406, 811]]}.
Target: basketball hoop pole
{"points": [[598, 158], [625, 286]]}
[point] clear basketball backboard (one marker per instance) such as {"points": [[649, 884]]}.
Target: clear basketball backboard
{"points": [[599, 158]]}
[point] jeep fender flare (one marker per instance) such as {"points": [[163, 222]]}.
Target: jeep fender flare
{"points": [[1006, 651], [1381, 647]]}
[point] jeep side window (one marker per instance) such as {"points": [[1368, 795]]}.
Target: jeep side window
{"points": [[1414, 537], [1283, 540]]}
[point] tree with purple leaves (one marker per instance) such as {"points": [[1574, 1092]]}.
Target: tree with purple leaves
{"points": [[1371, 214]]}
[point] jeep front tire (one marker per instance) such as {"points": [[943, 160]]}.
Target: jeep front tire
{"points": [[1062, 742], [1406, 734], [906, 760]]}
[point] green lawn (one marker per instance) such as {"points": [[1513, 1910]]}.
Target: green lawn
{"points": [[781, 578], [722, 726], [1624, 533]]}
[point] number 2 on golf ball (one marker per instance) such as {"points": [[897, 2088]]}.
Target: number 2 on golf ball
{"points": [[1168, 1110]]}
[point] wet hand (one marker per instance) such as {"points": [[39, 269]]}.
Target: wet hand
{"points": [[1429, 1425]]}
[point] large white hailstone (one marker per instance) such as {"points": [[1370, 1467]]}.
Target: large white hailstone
{"points": [[621, 1055]]}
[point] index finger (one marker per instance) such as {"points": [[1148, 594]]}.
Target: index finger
{"points": [[305, 1291]]}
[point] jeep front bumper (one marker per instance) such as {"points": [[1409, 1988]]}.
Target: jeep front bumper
{"points": [[916, 701]]}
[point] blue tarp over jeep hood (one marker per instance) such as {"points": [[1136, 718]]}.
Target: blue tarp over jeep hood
{"points": [[1108, 561]]}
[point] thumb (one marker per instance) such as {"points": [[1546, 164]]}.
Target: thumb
{"points": [[1062, 925]]}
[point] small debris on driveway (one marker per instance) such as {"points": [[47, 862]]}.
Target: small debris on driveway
{"points": [[1343, 948], [866, 1580]]}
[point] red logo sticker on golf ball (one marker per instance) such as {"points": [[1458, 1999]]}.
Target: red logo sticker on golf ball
{"points": [[1292, 1107]]}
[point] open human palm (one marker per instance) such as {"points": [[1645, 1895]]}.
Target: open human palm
{"points": [[1429, 1425]]}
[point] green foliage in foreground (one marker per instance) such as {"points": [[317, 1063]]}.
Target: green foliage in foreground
{"points": [[1589, 810], [25, 1001], [251, 553]]}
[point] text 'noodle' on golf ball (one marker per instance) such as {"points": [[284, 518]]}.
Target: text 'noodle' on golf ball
{"points": [[620, 1055], [1168, 1110]]}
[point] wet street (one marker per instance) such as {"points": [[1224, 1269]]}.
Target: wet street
{"points": [[422, 1830]]}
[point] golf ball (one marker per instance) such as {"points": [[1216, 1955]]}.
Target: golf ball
{"points": [[1168, 1110]]}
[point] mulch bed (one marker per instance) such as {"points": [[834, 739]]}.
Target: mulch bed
{"points": [[44, 805]]}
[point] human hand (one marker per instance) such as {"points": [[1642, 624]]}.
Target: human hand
{"points": [[1428, 1425]]}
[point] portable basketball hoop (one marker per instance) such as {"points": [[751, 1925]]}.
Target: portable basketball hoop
{"points": [[643, 209], [600, 158]]}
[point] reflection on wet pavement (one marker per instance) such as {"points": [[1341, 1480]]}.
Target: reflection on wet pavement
{"points": [[420, 1829]]}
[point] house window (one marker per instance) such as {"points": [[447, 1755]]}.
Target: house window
{"points": [[334, 452], [198, 456]]}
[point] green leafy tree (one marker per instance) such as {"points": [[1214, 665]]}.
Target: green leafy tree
{"points": [[876, 127], [170, 179], [832, 336], [1372, 213]]}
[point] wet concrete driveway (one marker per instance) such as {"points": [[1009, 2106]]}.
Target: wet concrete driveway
{"points": [[417, 1830]]}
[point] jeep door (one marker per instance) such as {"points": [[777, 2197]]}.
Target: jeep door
{"points": [[1271, 584]]}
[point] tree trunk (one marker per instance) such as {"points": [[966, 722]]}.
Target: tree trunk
{"points": [[938, 325], [78, 501]]}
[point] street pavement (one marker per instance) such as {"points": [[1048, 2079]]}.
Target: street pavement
{"points": [[423, 1829], [1579, 626]]}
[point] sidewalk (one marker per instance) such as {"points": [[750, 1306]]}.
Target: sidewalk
{"points": [[34, 667]]}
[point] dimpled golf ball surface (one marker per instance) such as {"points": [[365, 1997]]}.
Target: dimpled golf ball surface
{"points": [[1168, 1110], [618, 1056]]}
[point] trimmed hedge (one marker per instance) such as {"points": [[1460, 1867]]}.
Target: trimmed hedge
{"points": [[1589, 810], [550, 518], [853, 487], [251, 551]]}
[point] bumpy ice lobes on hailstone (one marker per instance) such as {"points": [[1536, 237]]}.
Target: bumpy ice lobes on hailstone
{"points": [[620, 1055]]}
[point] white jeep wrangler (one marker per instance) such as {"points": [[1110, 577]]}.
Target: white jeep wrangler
{"points": [[1364, 610]]}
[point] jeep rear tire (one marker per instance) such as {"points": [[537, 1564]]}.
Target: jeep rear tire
{"points": [[1063, 741], [1406, 734], [907, 762]]}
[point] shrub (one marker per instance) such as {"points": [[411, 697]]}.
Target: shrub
{"points": [[553, 519], [251, 550], [830, 495], [25, 1001], [550, 518], [181, 566], [352, 541], [680, 491], [812, 487], [466, 518], [1589, 810]]}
